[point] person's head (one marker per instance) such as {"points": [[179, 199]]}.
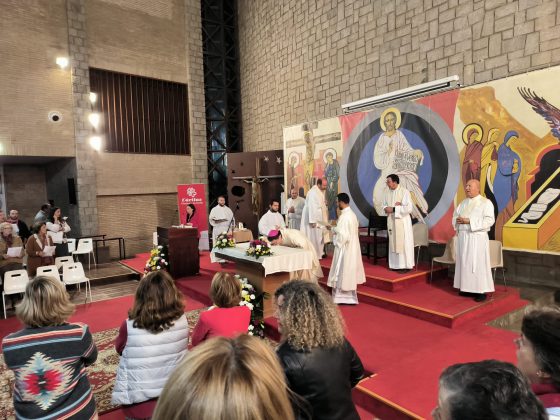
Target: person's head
{"points": [[329, 157], [40, 228], [538, 347], [472, 188], [274, 206], [45, 303], [490, 390], [393, 181], [6, 229], [307, 317], [343, 200], [2, 216], [294, 193], [237, 378], [390, 121], [472, 135], [56, 213], [157, 303], [322, 183], [191, 209], [510, 136], [275, 237], [225, 290], [222, 200], [45, 207], [14, 214]]}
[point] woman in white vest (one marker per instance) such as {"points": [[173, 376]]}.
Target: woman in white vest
{"points": [[151, 342]]}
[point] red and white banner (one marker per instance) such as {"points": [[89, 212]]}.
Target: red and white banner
{"points": [[194, 194]]}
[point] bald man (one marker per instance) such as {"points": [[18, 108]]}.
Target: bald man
{"points": [[472, 220]]}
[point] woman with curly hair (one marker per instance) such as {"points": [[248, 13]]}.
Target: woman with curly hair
{"points": [[538, 355], [321, 366], [151, 342]]}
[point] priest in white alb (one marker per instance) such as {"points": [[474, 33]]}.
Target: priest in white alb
{"points": [[221, 220], [347, 269], [398, 205], [472, 220], [272, 219], [295, 206], [314, 217], [295, 239]]}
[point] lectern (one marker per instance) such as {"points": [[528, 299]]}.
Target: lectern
{"points": [[183, 250]]}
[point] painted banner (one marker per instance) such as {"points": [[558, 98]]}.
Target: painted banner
{"points": [[194, 195], [505, 133]]}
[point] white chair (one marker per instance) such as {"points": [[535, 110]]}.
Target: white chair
{"points": [[85, 246], [448, 257], [497, 260], [420, 235], [60, 261], [73, 273], [15, 282], [71, 245], [49, 270]]}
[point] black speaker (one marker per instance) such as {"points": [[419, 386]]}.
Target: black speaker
{"points": [[72, 199]]}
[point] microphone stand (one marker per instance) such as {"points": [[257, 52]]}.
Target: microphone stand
{"points": [[232, 221]]}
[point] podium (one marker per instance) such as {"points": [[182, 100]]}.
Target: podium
{"points": [[184, 259]]}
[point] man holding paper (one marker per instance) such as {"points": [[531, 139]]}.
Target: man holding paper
{"points": [[221, 219], [11, 250], [40, 249]]}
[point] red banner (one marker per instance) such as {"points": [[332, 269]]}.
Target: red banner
{"points": [[194, 194]]}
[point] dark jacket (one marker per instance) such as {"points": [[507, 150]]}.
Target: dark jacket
{"points": [[324, 378]]}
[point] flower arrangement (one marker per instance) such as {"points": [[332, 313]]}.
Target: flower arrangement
{"points": [[158, 259], [224, 240], [253, 300], [259, 248]]}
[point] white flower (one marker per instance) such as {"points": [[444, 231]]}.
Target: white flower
{"points": [[250, 333], [224, 232], [259, 246], [252, 297], [251, 327], [158, 267], [244, 293], [224, 241], [162, 260], [243, 303], [160, 247], [250, 306]]}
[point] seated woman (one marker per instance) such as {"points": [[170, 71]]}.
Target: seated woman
{"points": [[226, 318], [9, 240], [35, 248], [151, 342], [321, 366], [57, 228], [49, 356], [538, 355], [225, 378]]}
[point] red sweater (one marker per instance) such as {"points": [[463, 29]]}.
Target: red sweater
{"points": [[221, 322]]}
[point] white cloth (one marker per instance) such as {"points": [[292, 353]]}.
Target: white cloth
{"points": [[57, 231], [148, 360], [269, 221], [221, 220], [399, 228], [295, 239], [347, 270], [294, 219], [314, 211], [472, 262]]}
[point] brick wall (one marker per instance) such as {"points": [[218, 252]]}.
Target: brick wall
{"points": [[28, 196], [301, 60]]}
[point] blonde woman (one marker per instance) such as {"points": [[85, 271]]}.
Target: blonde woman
{"points": [[225, 378], [320, 364], [49, 356]]}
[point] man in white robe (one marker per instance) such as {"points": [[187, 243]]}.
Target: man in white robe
{"points": [[272, 219], [347, 269], [397, 205], [295, 239], [295, 206], [221, 220], [472, 220], [314, 216]]}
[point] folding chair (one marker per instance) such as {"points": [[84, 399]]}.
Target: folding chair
{"points": [[15, 282], [73, 273], [49, 270], [85, 246], [59, 261]]}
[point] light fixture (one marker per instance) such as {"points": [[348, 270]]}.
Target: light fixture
{"points": [[447, 83], [94, 119], [62, 62], [93, 97], [95, 142]]}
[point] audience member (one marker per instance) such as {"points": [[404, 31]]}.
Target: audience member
{"points": [[43, 214], [57, 228], [320, 364], [225, 378], [489, 390], [22, 229], [49, 356], [151, 342], [538, 355], [35, 248], [2, 216], [226, 318], [9, 240]]}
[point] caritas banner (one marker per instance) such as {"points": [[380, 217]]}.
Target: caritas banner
{"points": [[194, 195]]}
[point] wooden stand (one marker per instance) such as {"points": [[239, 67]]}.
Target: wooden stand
{"points": [[184, 258]]}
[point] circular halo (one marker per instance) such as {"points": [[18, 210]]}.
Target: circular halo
{"points": [[382, 118], [327, 151], [293, 154], [473, 126]]}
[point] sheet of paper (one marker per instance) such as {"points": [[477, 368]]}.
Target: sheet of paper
{"points": [[14, 251], [57, 237], [48, 251]]}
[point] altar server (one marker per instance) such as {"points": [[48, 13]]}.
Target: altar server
{"points": [[347, 270], [272, 219], [398, 205], [221, 219], [472, 220], [315, 216], [295, 206]]}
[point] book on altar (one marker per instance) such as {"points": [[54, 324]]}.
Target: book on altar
{"points": [[48, 251], [14, 251]]}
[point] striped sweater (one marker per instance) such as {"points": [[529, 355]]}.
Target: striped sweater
{"points": [[49, 366]]}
